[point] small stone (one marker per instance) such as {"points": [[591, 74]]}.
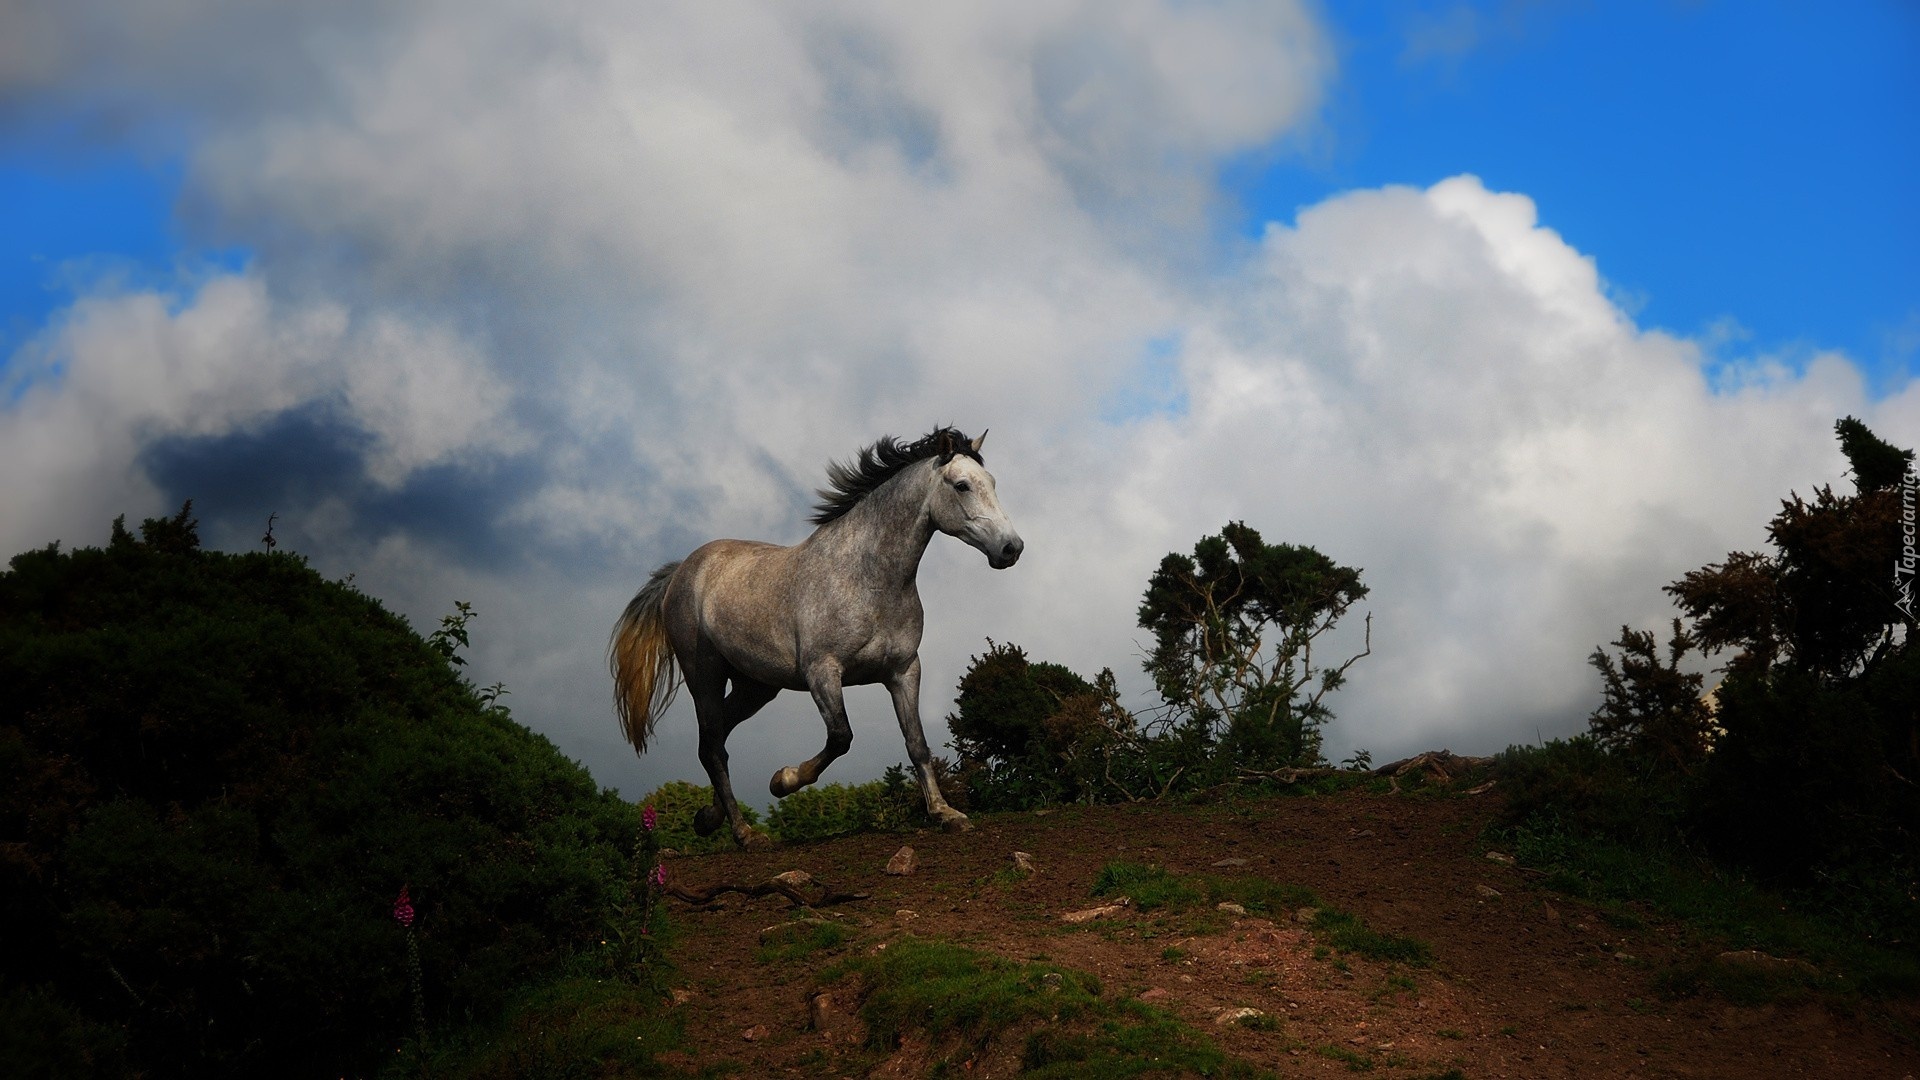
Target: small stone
{"points": [[755, 1033], [1023, 862], [906, 914], [680, 997], [1104, 911], [1051, 980], [1306, 915], [779, 929], [1231, 908], [794, 879], [1552, 915], [823, 1013], [1500, 857], [1229, 862], [1234, 1016], [902, 862], [1154, 994], [1623, 957], [1755, 960], [1487, 892]]}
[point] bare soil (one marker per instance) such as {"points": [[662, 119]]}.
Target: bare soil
{"points": [[1525, 983]]}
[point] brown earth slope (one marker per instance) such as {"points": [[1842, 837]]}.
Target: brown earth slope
{"points": [[1524, 982]]}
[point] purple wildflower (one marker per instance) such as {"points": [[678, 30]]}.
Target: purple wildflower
{"points": [[403, 909], [648, 819], [659, 875]]}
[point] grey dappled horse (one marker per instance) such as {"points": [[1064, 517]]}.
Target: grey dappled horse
{"points": [[841, 608]]}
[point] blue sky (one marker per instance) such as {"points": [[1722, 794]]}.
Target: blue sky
{"points": [[1720, 161], [510, 304]]}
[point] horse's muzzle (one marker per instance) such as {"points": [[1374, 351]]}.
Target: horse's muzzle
{"points": [[1008, 554]]}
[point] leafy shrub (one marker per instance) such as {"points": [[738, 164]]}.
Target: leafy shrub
{"points": [[675, 803], [216, 773], [891, 804]]}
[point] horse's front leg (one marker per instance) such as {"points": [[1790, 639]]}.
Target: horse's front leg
{"points": [[905, 688], [823, 680]]}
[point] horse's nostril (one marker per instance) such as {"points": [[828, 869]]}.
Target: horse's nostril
{"points": [[1013, 549]]}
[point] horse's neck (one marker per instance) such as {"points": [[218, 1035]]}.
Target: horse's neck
{"points": [[889, 530]]}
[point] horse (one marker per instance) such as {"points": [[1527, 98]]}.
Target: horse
{"points": [[746, 620]]}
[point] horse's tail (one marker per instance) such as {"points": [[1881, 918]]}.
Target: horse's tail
{"points": [[641, 660]]}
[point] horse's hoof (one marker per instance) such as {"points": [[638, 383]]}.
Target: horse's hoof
{"points": [[753, 839], [785, 782], [955, 821], [707, 819]]}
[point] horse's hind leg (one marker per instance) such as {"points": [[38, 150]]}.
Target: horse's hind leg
{"points": [[824, 681], [718, 713]]}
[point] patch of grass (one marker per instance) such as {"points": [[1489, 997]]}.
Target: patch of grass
{"points": [[1154, 888], [800, 939], [1172, 954], [1355, 1060], [1741, 985], [1393, 987], [1150, 886], [1259, 1022], [1722, 906], [1451, 1033], [573, 1027], [1348, 933], [948, 993]]}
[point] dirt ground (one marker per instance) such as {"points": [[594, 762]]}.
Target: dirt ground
{"points": [[1525, 983]]}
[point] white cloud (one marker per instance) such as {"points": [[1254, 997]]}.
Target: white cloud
{"points": [[670, 259]]}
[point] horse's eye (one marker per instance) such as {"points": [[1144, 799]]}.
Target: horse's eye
{"points": [[962, 485]]}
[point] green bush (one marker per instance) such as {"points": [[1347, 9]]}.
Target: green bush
{"points": [[216, 773], [891, 804], [675, 802]]}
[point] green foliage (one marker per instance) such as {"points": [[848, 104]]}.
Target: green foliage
{"points": [[1154, 888], [952, 995], [945, 990], [1651, 711], [1852, 948], [1032, 734], [570, 1028], [216, 773], [1234, 627], [1804, 771], [1876, 464], [890, 804], [675, 802], [1349, 934], [1149, 887], [800, 939]]}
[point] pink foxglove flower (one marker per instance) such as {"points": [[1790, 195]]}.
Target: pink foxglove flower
{"points": [[403, 909], [659, 875], [648, 819]]}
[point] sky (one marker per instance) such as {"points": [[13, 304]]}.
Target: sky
{"points": [[1525, 309]]}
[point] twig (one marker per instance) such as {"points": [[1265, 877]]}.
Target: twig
{"points": [[705, 897]]}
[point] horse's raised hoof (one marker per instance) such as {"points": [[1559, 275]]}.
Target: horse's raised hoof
{"points": [[785, 782], [707, 820]]}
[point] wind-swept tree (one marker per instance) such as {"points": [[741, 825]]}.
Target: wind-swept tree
{"points": [[1234, 628]]}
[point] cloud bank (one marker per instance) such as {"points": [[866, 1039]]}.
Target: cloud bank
{"points": [[539, 300]]}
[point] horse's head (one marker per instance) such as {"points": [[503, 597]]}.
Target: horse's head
{"points": [[964, 504]]}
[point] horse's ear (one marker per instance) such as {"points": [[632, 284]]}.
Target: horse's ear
{"points": [[978, 441], [946, 445]]}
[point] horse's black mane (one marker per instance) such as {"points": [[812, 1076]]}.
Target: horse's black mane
{"points": [[876, 464]]}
